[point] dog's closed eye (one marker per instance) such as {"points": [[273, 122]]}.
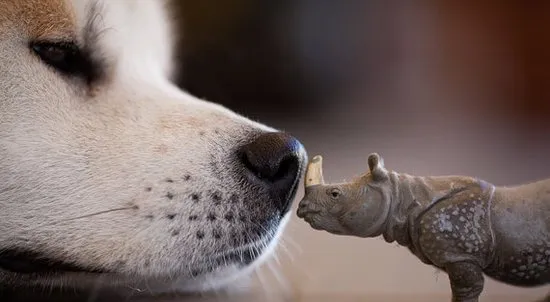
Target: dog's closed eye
{"points": [[67, 58]]}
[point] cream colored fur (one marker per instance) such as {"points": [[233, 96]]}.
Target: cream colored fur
{"points": [[84, 171]]}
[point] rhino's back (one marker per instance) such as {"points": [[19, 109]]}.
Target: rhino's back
{"points": [[520, 218], [457, 228]]}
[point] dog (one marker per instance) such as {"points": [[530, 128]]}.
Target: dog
{"points": [[110, 174]]}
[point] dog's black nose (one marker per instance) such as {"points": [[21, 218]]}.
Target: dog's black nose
{"points": [[275, 160]]}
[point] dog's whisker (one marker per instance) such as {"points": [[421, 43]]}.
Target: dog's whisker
{"points": [[297, 265], [130, 296], [281, 280], [98, 213], [295, 245], [86, 216], [276, 258], [261, 279], [134, 291], [287, 252]]}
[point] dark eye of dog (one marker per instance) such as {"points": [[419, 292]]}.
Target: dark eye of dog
{"points": [[65, 57]]}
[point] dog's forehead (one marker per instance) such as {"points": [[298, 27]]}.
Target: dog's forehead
{"points": [[40, 19]]}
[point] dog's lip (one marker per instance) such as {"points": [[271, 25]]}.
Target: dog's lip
{"points": [[26, 262], [245, 254], [242, 256]]}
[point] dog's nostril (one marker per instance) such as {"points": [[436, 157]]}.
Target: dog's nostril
{"points": [[275, 159], [269, 169], [272, 157]]}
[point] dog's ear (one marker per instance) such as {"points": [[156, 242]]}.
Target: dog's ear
{"points": [[376, 167]]}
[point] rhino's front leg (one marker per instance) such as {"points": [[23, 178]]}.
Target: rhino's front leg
{"points": [[466, 281]]}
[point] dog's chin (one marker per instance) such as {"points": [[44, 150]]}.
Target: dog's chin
{"points": [[223, 272], [234, 268]]}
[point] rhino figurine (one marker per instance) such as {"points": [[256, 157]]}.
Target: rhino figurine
{"points": [[462, 225]]}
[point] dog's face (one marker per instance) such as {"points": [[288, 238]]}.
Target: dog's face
{"points": [[108, 171]]}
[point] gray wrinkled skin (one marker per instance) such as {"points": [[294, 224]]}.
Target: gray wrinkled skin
{"points": [[462, 225]]}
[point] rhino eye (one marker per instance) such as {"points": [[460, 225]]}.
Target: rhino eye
{"points": [[334, 193]]}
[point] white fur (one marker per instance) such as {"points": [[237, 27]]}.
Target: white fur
{"points": [[67, 155]]}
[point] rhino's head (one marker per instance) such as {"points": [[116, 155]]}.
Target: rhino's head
{"points": [[357, 208]]}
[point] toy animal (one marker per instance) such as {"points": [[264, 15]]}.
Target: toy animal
{"points": [[462, 225]]}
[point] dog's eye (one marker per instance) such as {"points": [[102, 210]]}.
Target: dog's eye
{"points": [[63, 56]]}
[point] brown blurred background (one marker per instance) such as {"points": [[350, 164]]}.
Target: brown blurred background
{"points": [[436, 87]]}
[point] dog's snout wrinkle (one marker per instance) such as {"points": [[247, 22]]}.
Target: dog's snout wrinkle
{"points": [[275, 160]]}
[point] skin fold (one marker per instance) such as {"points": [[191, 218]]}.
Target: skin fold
{"points": [[462, 225]]}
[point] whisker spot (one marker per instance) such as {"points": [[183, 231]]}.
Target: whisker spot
{"points": [[211, 217], [195, 197], [229, 216]]}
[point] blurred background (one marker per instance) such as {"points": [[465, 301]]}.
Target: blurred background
{"points": [[436, 87]]}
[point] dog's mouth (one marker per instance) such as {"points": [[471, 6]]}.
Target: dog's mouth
{"points": [[241, 257], [24, 262], [32, 263]]}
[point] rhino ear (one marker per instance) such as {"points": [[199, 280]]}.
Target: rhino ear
{"points": [[376, 167]]}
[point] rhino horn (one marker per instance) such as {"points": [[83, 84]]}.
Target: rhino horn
{"points": [[314, 173]]}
